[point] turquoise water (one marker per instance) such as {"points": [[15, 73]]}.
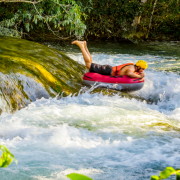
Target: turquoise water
{"points": [[100, 136]]}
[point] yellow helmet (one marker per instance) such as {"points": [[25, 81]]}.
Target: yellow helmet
{"points": [[143, 64]]}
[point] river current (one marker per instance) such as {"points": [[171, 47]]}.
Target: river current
{"points": [[103, 137]]}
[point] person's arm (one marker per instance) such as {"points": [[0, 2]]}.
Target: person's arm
{"points": [[131, 73]]}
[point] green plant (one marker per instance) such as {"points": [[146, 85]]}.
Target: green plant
{"points": [[111, 18], [166, 173], [6, 157], [9, 32], [75, 176], [165, 19], [57, 16]]}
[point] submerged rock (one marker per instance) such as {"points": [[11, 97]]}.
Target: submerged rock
{"points": [[30, 71]]}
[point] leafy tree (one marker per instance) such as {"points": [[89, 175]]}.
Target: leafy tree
{"points": [[161, 19], [111, 18], [105, 19], [58, 16]]}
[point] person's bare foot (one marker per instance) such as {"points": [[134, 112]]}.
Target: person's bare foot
{"points": [[78, 43], [85, 43]]}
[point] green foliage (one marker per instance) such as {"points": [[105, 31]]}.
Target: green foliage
{"points": [[57, 16], [75, 176], [9, 32], [106, 19], [6, 157], [115, 19], [155, 178], [165, 21], [111, 18], [166, 173]]}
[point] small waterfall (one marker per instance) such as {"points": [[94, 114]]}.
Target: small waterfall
{"points": [[30, 71]]}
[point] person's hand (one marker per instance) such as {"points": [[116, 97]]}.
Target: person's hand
{"points": [[142, 74]]}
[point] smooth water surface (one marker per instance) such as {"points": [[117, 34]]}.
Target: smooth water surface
{"points": [[103, 137]]}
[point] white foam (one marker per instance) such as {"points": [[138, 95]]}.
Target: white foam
{"points": [[97, 135]]}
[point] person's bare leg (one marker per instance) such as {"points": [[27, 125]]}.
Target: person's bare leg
{"points": [[87, 58], [85, 45]]}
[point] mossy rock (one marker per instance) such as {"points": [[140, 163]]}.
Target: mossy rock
{"points": [[30, 71]]}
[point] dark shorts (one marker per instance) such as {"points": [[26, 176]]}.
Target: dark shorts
{"points": [[101, 69]]}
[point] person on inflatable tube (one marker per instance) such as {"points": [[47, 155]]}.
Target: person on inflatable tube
{"points": [[129, 69]]}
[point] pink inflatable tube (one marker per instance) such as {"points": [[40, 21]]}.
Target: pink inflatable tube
{"points": [[120, 82]]}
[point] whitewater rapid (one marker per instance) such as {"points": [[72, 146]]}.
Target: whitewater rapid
{"points": [[101, 136]]}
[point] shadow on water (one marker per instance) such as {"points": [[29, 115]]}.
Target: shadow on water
{"points": [[151, 48]]}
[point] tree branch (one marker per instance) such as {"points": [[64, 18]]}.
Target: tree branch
{"points": [[21, 1], [49, 25], [34, 2]]}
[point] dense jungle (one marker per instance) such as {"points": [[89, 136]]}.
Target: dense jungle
{"points": [[129, 20]]}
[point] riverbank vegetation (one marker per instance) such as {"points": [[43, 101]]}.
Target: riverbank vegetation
{"points": [[132, 20]]}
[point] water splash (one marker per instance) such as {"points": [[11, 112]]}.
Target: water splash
{"points": [[101, 136]]}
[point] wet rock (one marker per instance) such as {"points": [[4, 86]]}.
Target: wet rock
{"points": [[30, 71]]}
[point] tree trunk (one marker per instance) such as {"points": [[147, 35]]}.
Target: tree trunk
{"points": [[151, 19]]}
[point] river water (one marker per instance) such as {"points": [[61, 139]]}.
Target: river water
{"points": [[103, 137]]}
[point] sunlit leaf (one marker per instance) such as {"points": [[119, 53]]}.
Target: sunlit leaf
{"points": [[75, 176], [6, 157], [155, 178], [167, 172]]}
